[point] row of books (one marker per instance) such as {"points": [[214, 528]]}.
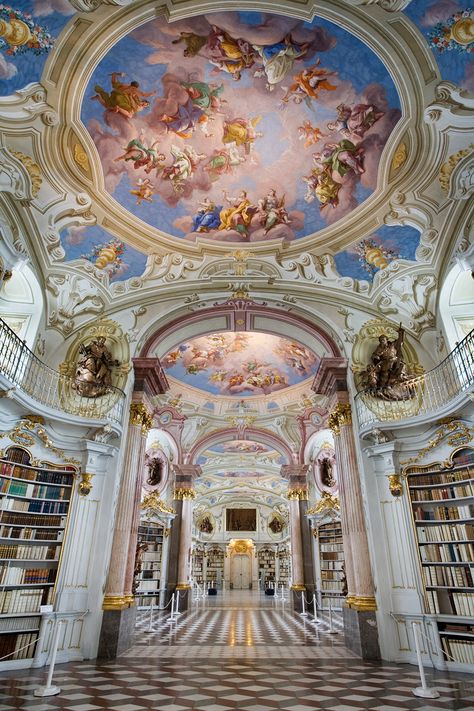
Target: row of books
{"points": [[441, 478], [30, 552], [38, 506], [18, 646], [331, 564], [443, 513], [37, 491], [151, 556], [23, 519], [448, 553], [463, 603], [146, 585], [43, 476], [10, 575], [451, 492], [454, 532], [31, 534], [461, 650], [335, 547], [330, 556], [332, 574], [450, 576], [16, 624], [332, 585], [18, 601]]}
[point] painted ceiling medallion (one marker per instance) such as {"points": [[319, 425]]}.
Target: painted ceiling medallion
{"points": [[240, 364], [240, 127]]}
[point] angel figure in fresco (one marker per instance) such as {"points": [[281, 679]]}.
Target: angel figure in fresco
{"points": [[242, 132], [321, 186], [353, 122], [308, 83], [207, 217], [238, 215], [194, 43], [228, 54], [309, 133], [184, 165], [142, 157], [278, 59], [340, 158], [271, 211], [144, 190], [223, 161], [125, 99]]}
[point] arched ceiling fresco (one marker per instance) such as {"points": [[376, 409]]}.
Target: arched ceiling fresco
{"points": [[240, 126], [240, 364]]}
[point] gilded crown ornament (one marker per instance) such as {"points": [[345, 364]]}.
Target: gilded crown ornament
{"points": [[301, 494], [341, 415], [139, 415], [182, 493]]}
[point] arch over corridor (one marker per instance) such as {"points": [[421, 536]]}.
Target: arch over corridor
{"points": [[250, 434]]}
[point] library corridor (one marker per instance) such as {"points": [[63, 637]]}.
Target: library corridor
{"points": [[239, 650]]}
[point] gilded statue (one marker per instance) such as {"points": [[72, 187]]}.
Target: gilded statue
{"points": [[93, 374], [387, 374]]}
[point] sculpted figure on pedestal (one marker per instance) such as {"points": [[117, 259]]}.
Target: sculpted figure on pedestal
{"points": [[387, 373], [93, 376]]}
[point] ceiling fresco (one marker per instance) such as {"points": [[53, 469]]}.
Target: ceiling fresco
{"points": [[244, 451], [107, 253], [448, 26], [240, 126], [240, 364]]}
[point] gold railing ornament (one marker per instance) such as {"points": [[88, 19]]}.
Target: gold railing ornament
{"points": [[326, 503], [85, 485], [184, 493], [395, 484], [341, 415], [153, 501], [301, 494], [139, 415]]}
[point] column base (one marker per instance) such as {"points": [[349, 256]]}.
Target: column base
{"points": [[360, 633], [185, 596], [117, 633]]}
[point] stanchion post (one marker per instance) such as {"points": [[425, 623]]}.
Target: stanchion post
{"points": [[49, 689], [176, 608], [424, 691], [303, 613], [171, 617], [316, 621]]}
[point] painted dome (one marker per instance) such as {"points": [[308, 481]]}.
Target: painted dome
{"points": [[240, 127]]}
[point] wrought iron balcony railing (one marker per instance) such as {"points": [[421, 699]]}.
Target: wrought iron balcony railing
{"points": [[30, 375], [428, 394]]}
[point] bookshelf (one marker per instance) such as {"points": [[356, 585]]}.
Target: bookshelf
{"points": [[331, 562], [215, 566], [283, 566], [35, 499], [198, 564], [266, 565], [442, 503], [148, 579]]}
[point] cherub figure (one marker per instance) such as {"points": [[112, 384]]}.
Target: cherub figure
{"points": [[310, 134], [144, 191], [308, 83], [142, 157]]}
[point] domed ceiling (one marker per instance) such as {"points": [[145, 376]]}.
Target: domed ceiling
{"points": [[240, 364], [240, 126]]}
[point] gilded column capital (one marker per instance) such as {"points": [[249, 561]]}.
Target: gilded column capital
{"points": [[139, 415], [184, 493], [301, 494], [341, 415]]}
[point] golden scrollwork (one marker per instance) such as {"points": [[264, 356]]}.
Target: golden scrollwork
{"points": [[33, 170], [341, 415], [20, 434], [459, 434], [152, 501], [85, 485], [447, 168], [81, 158], [301, 494], [184, 493], [395, 484], [400, 156], [139, 415], [327, 502]]}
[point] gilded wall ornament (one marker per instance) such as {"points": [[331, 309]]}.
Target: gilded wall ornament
{"points": [[326, 503], [459, 435], [183, 493], [301, 494], [152, 501], [81, 158], [395, 484], [341, 415], [399, 156], [139, 415], [85, 484], [446, 170], [23, 433], [33, 169]]}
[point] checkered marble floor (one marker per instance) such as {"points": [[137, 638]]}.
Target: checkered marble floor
{"points": [[237, 652]]}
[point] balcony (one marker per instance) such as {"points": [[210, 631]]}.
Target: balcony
{"points": [[436, 393], [24, 371]]}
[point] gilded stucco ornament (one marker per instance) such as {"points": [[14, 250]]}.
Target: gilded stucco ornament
{"points": [[444, 175], [298, 493], [341, 415], [152, 501], [182, 493], [85, 484], [33, 169], [395, 484], [23, 432], [458, 434], [139, 415], [327, 502]]}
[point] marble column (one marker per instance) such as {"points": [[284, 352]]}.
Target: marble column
{"points": [[302, 577], [180, 564], [360, 623], [118, 621]]}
